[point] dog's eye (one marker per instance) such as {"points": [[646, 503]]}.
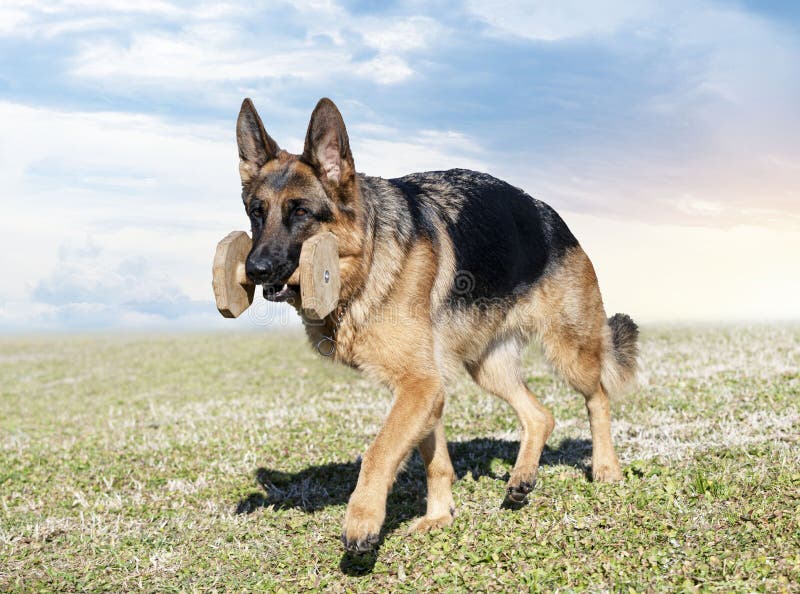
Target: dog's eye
{"points": [[300, 212]]}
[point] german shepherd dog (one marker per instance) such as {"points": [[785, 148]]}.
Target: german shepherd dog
{"points": [[440, 271]]}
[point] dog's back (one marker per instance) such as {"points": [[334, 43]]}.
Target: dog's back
{"points": [[502, 239]]}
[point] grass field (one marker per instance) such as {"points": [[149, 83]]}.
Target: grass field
{"points": [[224, 462]]}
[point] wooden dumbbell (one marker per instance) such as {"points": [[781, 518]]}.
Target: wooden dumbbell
{"points": [[317, 275]]}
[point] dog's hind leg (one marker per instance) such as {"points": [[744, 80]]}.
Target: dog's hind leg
{"points": [[605, 465], [576, 338], [498, 371], [579, 362], [441, 507]]}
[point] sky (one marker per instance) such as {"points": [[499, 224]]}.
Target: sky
{"points": [[666, 134]]}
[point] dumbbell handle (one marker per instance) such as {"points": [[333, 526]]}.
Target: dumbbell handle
{"points": [[241, 275], [245, 281]]}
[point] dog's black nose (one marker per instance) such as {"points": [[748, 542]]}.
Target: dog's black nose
{"points": [[260, 269]]}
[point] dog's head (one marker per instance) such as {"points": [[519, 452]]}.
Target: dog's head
{"points": [[289, 198]]}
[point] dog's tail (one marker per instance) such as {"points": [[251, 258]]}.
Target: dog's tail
{"points": [[620, 363]]}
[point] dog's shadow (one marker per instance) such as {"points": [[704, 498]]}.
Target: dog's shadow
{"points": [[317, 487]]}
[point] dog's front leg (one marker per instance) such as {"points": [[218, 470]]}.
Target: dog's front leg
{"points": [[417, 407]]}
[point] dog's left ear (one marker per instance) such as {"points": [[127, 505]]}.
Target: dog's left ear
{"points": [[256, 147], [327, 147]]}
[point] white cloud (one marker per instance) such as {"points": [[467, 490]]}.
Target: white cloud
{"points": [[385, 70], [43, 147], [196, 59], [50, 18], [214, 43], [400, 34], [12, 19], [60, 7], [197, 56], [87, 277], [388, 152], [556, 20]]}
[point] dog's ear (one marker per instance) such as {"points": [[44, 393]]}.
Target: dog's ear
{"points": [[327, 147], [255, 145]]}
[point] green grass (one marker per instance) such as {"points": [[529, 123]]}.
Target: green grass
{"points": [[224, 462]]}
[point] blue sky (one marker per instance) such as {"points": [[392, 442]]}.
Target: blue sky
{"points": [[665, 132]]}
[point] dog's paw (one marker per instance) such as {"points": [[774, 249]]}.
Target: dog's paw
{"points": [[427, 523], [517, 493], [362, 527], [606, 473], [360, 546], [519, 485]]}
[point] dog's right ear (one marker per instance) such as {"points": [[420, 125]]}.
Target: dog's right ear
{"points": [[327, 147], [255, 145]]}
